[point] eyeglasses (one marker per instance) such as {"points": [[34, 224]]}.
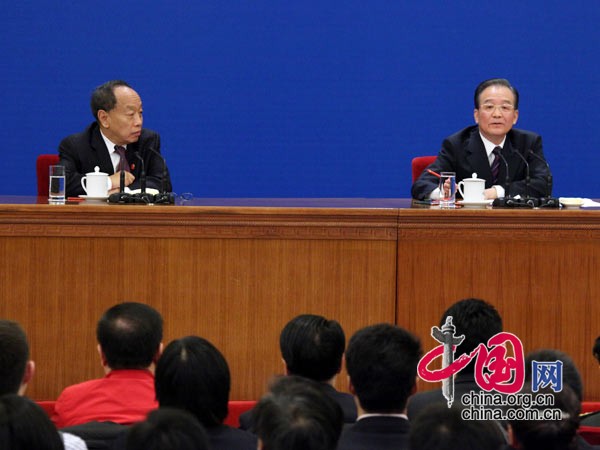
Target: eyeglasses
{"points": [[504, 109]]}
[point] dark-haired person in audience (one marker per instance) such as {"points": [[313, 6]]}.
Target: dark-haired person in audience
{"points": [[192, 374], [471, 150], [16, 371], [117, 111], [297, 415], [443, 428], [549, 434], [478, 321], [25, 426], [168, 429], [571, 378], [129, 342], [596, 349], [313, 347], [382, 366]]}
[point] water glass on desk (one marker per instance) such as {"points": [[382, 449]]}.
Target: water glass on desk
{"points": [[56, 188], [447, 189]]}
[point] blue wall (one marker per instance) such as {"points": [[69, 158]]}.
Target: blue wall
{"points": [[301, 99]]}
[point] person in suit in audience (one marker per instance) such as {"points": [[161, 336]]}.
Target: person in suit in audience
{"points": [[25, 426], [129, 343], [16, 371], [572, 379], [193, 375], [313, 347], [443, 428], [382, 366], [549, 434], [478, 321], [471, 150], [297, 414], [168, 429], [117, 111]]}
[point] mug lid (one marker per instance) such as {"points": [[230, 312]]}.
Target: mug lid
{"points": [[96, 172], [473, 178]]}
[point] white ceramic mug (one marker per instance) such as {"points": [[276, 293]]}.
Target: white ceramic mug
{"points": [[95, 184], [472, 189]]}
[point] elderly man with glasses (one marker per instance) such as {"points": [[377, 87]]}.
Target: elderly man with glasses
{"points": [[491, 147]]}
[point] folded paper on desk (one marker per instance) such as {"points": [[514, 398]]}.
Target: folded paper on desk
{"points": [[139, 191], [589, 203]]}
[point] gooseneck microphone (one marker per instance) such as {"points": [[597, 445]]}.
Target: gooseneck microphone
{"points": [[143, 196], [163, 197], [533, 202], [549, 176], [548, 201]]}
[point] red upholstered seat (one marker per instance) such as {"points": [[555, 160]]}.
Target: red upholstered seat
{"points": [[43, 162], [47, 405], [419, 164], [237, 408]]}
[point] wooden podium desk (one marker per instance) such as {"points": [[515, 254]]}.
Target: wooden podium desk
{"points": [[236, 270]]}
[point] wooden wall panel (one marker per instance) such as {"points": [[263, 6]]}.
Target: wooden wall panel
{"points": [[538, 269], [237, 291]]}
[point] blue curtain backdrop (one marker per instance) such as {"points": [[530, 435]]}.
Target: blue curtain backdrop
{"points": [[300, 99]]}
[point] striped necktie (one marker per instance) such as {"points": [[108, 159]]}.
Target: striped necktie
{"points": [[496, 165], [123, 164]]}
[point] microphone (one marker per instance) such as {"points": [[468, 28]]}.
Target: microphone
{"points": [[142, 197], [533, 202], [163, 197], [549, 177]]}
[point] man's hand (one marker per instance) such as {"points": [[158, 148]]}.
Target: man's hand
{"points": [[490, 194], [115, 179]]}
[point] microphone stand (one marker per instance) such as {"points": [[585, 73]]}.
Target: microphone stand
{"points": [[164, 197], [548, 201], [143, 196], [506, 201], [530, 201]]}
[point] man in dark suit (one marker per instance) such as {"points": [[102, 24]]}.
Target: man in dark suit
{"points": [[117, 109], [382, 365], [313, 347], [473, 149]]}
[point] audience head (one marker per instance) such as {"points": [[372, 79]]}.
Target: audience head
{"points": [[15, 367], [441, 428], [570, 373], [477, 321], [130, 336], [167, 429], [382, 364], [25, 426], [552, 434], [312, 347], [596, 349], [297, 414], [192, 374]]}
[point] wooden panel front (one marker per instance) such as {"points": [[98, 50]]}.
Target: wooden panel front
{"points": [[234, 277], [538, 268]]}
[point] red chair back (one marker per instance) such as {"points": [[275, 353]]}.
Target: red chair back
{"points": [[587, 407], [42, 165], [419, 164], [236, 408], [47, 406], [590, 434]]}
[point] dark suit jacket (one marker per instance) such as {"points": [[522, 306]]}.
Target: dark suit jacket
{"points": [[81, 152], [464, 153], [463, 383], [346, 402], [375, 433]]}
